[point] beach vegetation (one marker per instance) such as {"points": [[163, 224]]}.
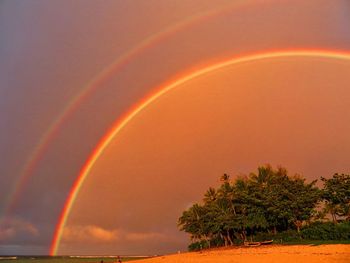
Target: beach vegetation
{"points": [[269, 204]]}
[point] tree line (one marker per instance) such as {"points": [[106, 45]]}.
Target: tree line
{"points": [[267, 203]]}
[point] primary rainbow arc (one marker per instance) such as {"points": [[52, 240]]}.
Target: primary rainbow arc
{"points": [[96, 83], [163, 89]]}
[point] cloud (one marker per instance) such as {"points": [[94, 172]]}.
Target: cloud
{"points": [[14, 227], [89, 233], [142, 236], [94, 234], [7, 233]]}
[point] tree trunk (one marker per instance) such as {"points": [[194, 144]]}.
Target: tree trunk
{"points": [[334, 218], [225, 239], [208, 241], [274, 230], [298, 224], [229, 238], [233, 208], [243, 235]]}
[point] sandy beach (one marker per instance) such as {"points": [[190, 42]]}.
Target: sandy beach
{"points": [[277, 253]]}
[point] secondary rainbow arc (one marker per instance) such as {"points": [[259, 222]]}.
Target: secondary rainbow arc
{"points": [[163, 89], [147, 43]]}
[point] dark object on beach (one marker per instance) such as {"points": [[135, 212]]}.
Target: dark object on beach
{"points": [[119, 259], [256, 244], [252, 244], [267, 242]]}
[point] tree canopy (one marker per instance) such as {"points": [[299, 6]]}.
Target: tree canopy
{"points": [[269, 201]]}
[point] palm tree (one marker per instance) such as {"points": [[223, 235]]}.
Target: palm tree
{"points": [[225, 178], [210, 195], [264, 176]]}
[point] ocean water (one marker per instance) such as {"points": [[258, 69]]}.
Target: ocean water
{"points": [[66, 259]]}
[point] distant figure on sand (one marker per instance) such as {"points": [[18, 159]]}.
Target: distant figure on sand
{"points": [[119, 259]]}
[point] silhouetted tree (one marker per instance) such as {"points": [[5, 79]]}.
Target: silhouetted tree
{"points": [[336, 193], [267, 200]]}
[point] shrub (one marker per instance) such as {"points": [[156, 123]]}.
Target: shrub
{"points": [[326, 231], [199, 245], [344, 230], [281, 237]]}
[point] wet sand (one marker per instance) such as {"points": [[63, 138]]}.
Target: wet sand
{"points": [[275, 253]]}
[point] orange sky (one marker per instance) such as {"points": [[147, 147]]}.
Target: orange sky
{"points": [[284, 111]]}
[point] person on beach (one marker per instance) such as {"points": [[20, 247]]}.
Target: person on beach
{"points": [[119, 259]]}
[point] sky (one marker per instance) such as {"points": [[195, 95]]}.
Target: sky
{"points": [[70, 71]]}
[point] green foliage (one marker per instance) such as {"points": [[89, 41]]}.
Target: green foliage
{"points": [[197, 246], [266, 205], [280, 237], [327, 231], [336, 193]]}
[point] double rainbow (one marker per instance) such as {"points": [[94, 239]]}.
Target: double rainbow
{"points": [[97, 82], [160, 91]]}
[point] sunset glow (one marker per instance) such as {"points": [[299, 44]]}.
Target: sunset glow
{"points": [[121, 123], [116, 117]]}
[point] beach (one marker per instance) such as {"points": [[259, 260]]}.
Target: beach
{"points": [[276, 253]]}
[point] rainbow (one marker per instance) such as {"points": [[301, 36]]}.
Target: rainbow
{"points": [[97, 82], [160, 91]]}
